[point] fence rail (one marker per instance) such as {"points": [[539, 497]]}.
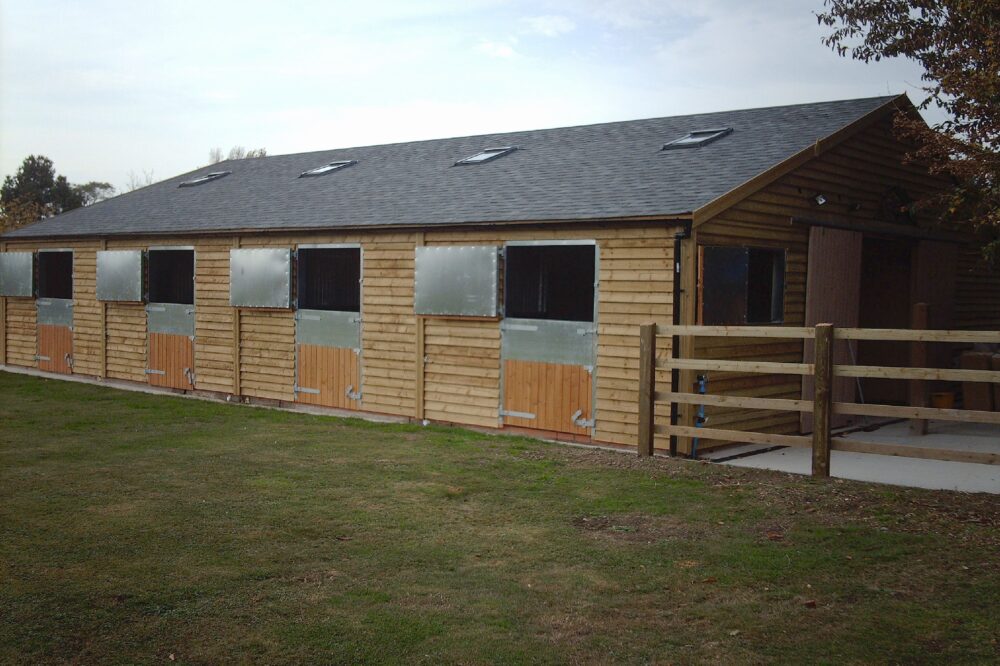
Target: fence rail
{"points": [[822, 407]]}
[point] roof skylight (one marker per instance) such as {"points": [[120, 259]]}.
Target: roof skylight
{"points": [[486, 155], [698, 138], [208, 177], [327, 168]]}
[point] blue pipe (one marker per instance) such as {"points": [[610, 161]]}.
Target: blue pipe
{"points": [[700, 419]]}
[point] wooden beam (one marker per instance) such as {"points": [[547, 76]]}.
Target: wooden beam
{"points": [[420, 360], [793, 332], [822, 401], [902, 412], [686, 282], [763, 367], [904, 451], [735, 401], [769, 438], [888, 372], [647, 387], [237, 333], [3, 320], [906, 335], [918, 359], [103, 369], [884, 229]]}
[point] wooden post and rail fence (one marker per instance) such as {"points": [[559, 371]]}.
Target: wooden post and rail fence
{"points": [[822, 406]]}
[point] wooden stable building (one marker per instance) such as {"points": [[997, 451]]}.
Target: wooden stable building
{"points": [[495, 281]]}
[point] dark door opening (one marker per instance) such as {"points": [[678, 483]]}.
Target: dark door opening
{"points": [[55, 275], [884, 303], [171, 276]]}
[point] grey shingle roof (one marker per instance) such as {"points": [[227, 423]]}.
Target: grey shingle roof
{"points": [[610, 170]]}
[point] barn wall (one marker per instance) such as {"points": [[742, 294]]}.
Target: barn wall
{"points": [[462, 370], [854, 176], [462, 380], [977, 303]]}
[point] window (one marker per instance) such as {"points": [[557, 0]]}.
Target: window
{"points": [[330, 279], [327, 168], [698, 138], [55, 275], [741, 285], [171, 276], [550, 282], [487, 155], [208, 177]]}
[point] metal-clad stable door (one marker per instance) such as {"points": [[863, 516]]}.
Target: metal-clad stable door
{"points": [[328, 358], [55, 310], [549, 336], [171, 345], [328, 325], [55, 334]]}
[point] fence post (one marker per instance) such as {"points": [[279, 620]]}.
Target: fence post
{"points": [[647, 387], [822, 401], [918, 359]]}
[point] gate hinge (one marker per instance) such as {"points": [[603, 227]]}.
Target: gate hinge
{"points": [[581, 422]]}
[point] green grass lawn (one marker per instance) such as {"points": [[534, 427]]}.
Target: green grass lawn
{"points": [[139, 528]]}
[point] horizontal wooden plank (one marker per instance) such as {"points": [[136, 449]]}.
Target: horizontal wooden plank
{"points": [[772, 439], [985, 337], [904, 451], [905, 412], [735, 401], [941, 374], [800, 332], [765, 367]]}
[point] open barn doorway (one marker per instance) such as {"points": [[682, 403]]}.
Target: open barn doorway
{"points": [[55, 311], [548, 336], [328, 326], [170, 317]]}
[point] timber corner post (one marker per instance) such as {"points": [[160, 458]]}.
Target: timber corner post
{"points": [[823, 403], [647, 387]]}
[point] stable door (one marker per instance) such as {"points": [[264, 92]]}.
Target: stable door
{"points": [[548, 336], [54, 314], [328, 326]]}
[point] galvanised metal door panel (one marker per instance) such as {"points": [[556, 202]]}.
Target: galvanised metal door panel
{"points": [[171, 345]]}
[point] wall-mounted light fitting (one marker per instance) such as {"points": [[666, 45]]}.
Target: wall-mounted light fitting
{"points": [[820, 199]]}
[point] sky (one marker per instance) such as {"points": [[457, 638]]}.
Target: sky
{"points": [[108, 89]]}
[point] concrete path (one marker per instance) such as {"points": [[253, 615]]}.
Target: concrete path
{"points": [[894, 470]]}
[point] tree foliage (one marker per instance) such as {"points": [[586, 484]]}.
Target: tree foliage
{"points": [[36, 192], [957, 42], [235, 153]]}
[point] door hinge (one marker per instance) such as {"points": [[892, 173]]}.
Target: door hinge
{"points": [[309, 391], [517, 415], [581, 422], [39, 357], [155, 372]]}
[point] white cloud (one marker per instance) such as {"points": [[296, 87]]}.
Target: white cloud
{"points": [[497, 49], [549, 25]]}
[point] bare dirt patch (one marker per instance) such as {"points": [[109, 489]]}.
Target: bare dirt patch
{"points": [[637, 527]]}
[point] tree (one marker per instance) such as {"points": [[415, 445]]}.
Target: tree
{"points": [[235, 153], [957, 42], [35, 192], [95, 191], [135, 181]]}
